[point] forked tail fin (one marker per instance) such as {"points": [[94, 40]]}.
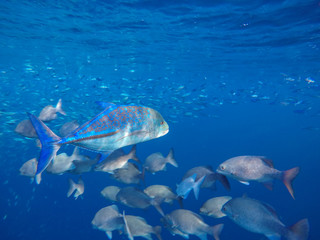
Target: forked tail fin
{"points": [[299, 231], [59, 108], [132, 154], [72, 187], [49, 146], [170, 158], [196, 187], [287, 178], [157, 232], [216, 230]]}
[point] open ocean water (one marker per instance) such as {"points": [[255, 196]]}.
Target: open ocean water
{"points": [[231, 78]]}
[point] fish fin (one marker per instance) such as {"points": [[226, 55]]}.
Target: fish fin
{"points": [[157, 232], [203, 236], [268, 185], [180, 201], [109, 234], [267, 161], [287, 178], [126, 226], [59, 108], [103, 156], [105, 105], [271, 209], [142, 175], [170, 158], [273, 237], [80, 181], [115, 207], [48, 141], [156, 203], [245, 183], [38, 178], [132, 154], [216, 231], [72, 187], [224, 180], [299, 231], [76, 153], [196, 187]]}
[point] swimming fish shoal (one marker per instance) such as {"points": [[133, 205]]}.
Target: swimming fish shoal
{"points": [[115, 127]]}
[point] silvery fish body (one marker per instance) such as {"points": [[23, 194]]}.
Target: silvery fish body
{"points": [[76, 188], [129, 174], [110, 193], [161, 191], [68, 128], [26, 129], [49, 112], [29, 168], [157, 162], [213, 206], [258, 217]]}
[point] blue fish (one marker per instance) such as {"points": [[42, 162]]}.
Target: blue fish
{"points": [[115, 127]]}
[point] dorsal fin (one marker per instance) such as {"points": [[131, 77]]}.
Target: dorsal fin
{"points": [[267, 161]]}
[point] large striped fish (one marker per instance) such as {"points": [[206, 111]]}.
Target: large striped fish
{"points": [[115, 127]]}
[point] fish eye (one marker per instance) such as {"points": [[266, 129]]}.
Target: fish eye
{"points": [[162, 122], [222, 167]]}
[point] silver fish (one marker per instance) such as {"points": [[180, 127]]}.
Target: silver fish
{"points": [[83, 164], [138, 227], [257, 168], [26, 129], [49, 112], [185, 222], [130, 174], [110, 193], [116, 160], [157, 162], [258, 217], [213, 206], [68, 128], [108, 219], [29, 169], [162, 192], [135, 198], [77, 188], [210, 177], [184, 188]]}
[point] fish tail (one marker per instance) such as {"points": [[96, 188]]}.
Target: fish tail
{"points": [[216, 231], [72, 187], [59, 108], [170, 158], [49, 145], [224, 180], [76, 153], [142, 176], [180, 201], [299, 231], [157, 232], [156, 203], [133, 153], [287, 178], [127, 226], [196, 187]]}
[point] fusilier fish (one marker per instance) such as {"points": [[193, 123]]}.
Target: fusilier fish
{"points": [[184, 188], [259, 217], [256, 168], [185, 222], [115, 127], [213, 206], [210, 177], [110, 193], [77, 188], [157, 162], [49, 112]]}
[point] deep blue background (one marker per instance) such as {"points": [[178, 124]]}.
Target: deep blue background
{"points": [[231, 78]]}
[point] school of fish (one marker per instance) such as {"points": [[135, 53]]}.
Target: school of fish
{"points": [[118, 126]]}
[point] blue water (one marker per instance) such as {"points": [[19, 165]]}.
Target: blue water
{"points": [[230, 77]]}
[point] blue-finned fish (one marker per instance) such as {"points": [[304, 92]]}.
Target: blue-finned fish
{"points": [[115, 127]]}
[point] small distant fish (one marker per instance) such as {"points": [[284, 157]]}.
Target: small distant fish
{"points": [[78, 188], [116, 160], [157, 162], [185, 222], [135, 198], [49, 112], [115, 127], [184, 188], [26, 129], [210, 177], [29, 169], [257, 168], [258, 217], [213, 206], [110, 193], [108, 219], [162, 192], [130, 174], [67, 128], [138, 227]]}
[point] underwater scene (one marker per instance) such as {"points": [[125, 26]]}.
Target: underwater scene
{"points": [[159, 119]]}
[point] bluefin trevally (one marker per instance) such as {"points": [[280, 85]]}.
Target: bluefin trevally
{"points": [[115, 127]]}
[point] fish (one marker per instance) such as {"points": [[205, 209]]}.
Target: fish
{"points": [[210, 177], [138, 227], [77, 188], [108, 219], [26, 129], [136, 198], [49, 113], [157, 162], [185, 222], [162, 192], [110, 193], [115, 127], [130, 174], [63, 163], [213, 206], [29, 169], [68, 128], [259, 217], [184, 188], [257, 168], [116, 160]]}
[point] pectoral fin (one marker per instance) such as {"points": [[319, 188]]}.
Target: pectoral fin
{"points": [[245, 183]]}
